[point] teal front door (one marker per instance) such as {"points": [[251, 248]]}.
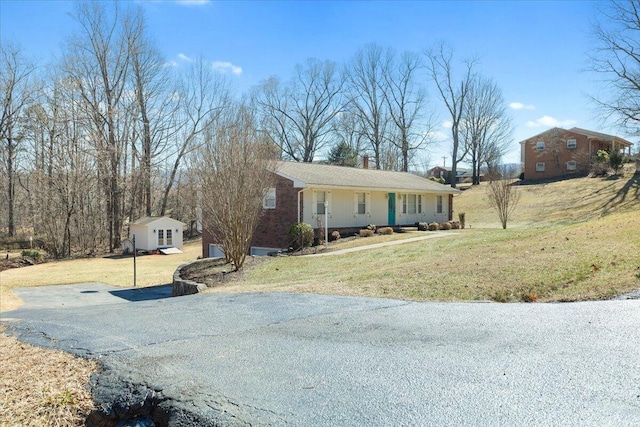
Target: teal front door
{"points": [[392, 209]]}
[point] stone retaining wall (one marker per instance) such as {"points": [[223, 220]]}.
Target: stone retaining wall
{"points": [[186, 287]]}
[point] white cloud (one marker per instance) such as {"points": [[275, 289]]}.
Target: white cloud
{"points": [[224, 66], [193, 2], [171, 64], [184, 57], [447, 124], [521, 106], [548, 121]]}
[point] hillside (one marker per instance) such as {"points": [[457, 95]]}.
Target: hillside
{"points": [[552, 203]]}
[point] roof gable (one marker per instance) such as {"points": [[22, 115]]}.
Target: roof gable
{"points": [[146, 220], [318, 175]]}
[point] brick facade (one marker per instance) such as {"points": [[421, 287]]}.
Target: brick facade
{"points": [[273, 230], [556, 158], [273, 227]]}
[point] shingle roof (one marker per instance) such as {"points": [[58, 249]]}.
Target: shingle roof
{"points": [[588, 133], [146, 220], [317, 175], [601, 136]]}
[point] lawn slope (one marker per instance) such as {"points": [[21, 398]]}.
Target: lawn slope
{"points": [[570, 240]]}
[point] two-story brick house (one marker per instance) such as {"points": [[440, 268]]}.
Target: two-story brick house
{"points": [[346, 198], [560, 152]]}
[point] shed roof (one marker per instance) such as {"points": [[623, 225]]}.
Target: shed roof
{"points": [[146, 220], [331, 176]]}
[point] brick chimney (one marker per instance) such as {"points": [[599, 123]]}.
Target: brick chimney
{"points": [[365, 162]]}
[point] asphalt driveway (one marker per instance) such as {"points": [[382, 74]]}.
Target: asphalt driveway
{"points": [[310, 360]]}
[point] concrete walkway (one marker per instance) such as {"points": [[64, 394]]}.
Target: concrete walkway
{"points": [[431, 235]]}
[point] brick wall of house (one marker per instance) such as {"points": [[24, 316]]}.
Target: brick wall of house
{"points": [[556, 155], [273, 229]]}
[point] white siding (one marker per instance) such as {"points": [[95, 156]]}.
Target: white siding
{"points": [[147, 234], [342, 211]]}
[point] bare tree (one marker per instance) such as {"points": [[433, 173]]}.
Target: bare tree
{"points": [[202, 95], [300, 114], [617, 58], [98, 61], [405, 100], [486, 127], [17, 90], [453, 94], [235, 168], [366, 87], [154, 108], [347, 132], [503, 196]]}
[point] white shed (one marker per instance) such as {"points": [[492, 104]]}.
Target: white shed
{"points": [[156, 232]]}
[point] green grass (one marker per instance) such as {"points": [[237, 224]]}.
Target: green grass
{"points": [[569, 240]]}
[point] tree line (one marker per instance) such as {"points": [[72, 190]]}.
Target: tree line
{"points": [[110, 132]]}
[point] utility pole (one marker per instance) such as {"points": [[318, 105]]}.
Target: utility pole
{"points": [[444, 161]]}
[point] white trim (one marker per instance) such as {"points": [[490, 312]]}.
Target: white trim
{"points": [[540, 166], [539, 145], [573, 145], [266, 198], [572, 165]]}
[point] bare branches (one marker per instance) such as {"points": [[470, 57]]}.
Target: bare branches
{"points": [[503, 196], [300, 114], [486, 127], [617, 59], [452, 93], [235, 170]]}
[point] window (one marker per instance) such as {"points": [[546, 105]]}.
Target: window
{"points": [[412, 203], [160, 237], [404, 203], [571, 143], [169, 237], [419, 203], [571, 165], [540, 146], [540, 167], [362, 203], [321, 197], [269, 199], [439, 204]]}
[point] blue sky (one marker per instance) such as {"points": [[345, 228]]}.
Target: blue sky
{"points": [[535, 50]]}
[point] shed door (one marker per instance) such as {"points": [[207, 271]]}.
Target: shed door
{"points": [[392, 209]]}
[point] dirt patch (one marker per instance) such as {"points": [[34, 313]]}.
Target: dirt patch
{"points": [[42, 387], [216, 272]]}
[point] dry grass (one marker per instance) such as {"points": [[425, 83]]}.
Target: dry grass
{"points": [[42, 387], [115, 271], [552, 203]]}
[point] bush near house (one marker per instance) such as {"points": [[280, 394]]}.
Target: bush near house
{"points": [[434, 226], [301, 235], [366, 233], [385, 231]]}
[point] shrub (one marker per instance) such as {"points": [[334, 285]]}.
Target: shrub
{"points": [[385, 231], [335, 235], [445, 226], [521, 176], [461, 217], [455, 225], [31, 254], [301, 235], [616, 160], [422, 226], [434, 226], [366, 233]]}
